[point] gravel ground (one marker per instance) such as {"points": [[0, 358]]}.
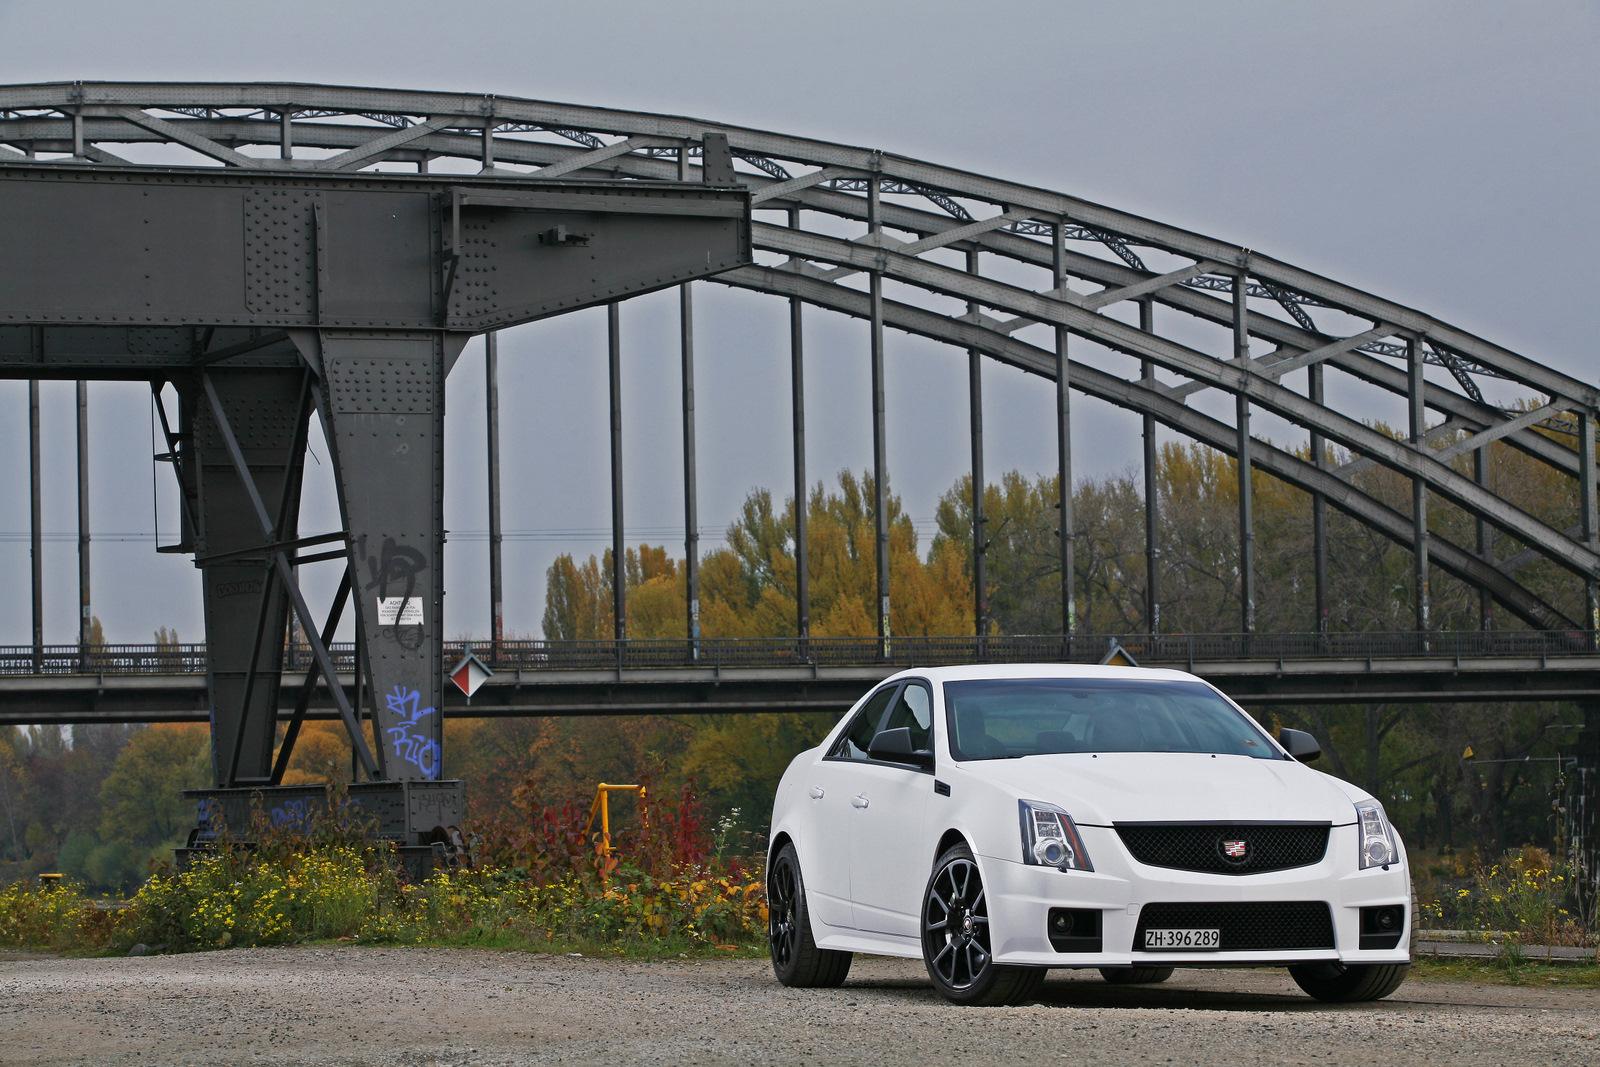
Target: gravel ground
{"points": [[431, 1006]]}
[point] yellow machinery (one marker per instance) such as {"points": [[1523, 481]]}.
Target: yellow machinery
{"points": [[602, 809]]}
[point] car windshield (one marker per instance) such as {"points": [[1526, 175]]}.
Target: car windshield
{"points": [[1003, 718]]}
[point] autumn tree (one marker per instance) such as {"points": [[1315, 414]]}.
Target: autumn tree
{"points": [[142, 798]]}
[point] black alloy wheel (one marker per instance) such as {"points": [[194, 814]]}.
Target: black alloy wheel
{"points": [[796, 959], [956, 943]]}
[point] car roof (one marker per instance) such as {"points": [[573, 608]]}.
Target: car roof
{"points": [[974, 671]]}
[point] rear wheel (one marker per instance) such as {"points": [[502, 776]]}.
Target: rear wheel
{"points": [[796, 959], [1135, 975], [1339, 983], [955, 938]]}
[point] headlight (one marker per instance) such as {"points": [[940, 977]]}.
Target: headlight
{"points": [[1049, 838], [1377, 840]]}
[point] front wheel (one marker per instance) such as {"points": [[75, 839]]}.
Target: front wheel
{"points": [[796, 959], [955, 938], [1339, 983], [1135, 975]]}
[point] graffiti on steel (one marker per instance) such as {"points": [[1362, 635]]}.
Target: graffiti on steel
{"points": [[406, 740]]}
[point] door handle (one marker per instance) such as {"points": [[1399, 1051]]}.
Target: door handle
{"points": [[859, 801], [816, 792]]}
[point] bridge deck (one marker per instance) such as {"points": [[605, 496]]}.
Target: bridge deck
{"points": [[147, 683]]}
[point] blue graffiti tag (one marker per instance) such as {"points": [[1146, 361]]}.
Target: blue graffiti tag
{"points": [[208, 818], [415, 747], [294, 815]]}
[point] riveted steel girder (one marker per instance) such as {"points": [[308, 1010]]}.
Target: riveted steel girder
{"points": [[163, 248]]}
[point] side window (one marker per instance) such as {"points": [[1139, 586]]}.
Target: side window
{"points": [[858, 735], [913, 709]]}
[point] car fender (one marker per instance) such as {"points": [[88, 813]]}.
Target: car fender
{"points": [[984, 814]]}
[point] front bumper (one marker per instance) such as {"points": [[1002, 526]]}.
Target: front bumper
{"points": [[1020, 897]]}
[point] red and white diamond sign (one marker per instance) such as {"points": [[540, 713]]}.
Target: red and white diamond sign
{"points": [[469, 674]]}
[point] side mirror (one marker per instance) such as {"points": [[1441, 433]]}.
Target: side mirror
{"points": [[894, 746], [1301, 745]]}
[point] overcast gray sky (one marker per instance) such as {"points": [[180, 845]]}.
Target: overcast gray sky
{"points": [[1441, 154]]}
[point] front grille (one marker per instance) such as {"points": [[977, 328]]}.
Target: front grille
{"points": [[1204, 846], [1245, 926]]}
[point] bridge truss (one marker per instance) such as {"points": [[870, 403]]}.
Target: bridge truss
{"points": [[932, 233], [949, 245]]}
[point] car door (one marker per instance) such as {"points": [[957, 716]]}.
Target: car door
{"points": [[831, 786], [890, 855]]}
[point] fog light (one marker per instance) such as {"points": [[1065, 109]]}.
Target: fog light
{"points": [[1382, 926], [1074, 929]]}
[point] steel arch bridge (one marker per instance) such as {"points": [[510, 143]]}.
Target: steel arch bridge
{"points": [[935, 235], [801, 187]]}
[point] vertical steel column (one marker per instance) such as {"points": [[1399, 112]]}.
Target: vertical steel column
{"points": [[286, 134], [879, 442], [1590, 519], [980, 545], [797, 386], [691, 493], [1419, 489], [359, 674], [1319, 510], [1152, 545], [691, 508], [1247, 529], [619, 571], [85, 616], [1485, 540], [491, 392], [35, 529], [1065, 531]]}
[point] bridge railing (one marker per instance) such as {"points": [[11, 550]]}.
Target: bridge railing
{"points": [[719, 652]]}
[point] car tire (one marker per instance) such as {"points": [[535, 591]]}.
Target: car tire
{"points": [[955, 938], [796, 959], [1339, 983], [1135, 975]]}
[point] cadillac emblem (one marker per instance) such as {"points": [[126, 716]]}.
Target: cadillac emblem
{"points": [[1235, 851]]}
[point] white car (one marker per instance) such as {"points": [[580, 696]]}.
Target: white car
{"points": [[998, 821]]}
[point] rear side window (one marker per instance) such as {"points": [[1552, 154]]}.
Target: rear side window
{"points": [[858, 735]]}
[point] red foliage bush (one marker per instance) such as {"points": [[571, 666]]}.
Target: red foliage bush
{"points": [[658, 836]]}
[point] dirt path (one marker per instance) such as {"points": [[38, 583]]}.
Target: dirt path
{"points": [[431, 1006]]}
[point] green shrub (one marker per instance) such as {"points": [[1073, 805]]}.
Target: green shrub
{"points": [[50, 917], [239, 897]]}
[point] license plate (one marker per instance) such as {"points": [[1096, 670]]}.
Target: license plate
{"points": [[1183, 939]]}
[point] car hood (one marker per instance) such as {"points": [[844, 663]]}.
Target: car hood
{"points": [[1112, 787]]}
